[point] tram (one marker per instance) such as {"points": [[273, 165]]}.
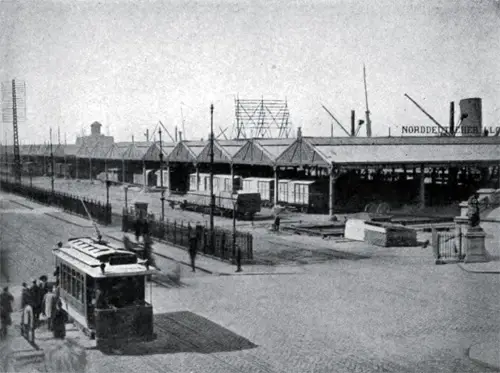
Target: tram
{"points": [[103, 288]]}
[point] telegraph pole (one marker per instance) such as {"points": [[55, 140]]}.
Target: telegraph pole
{"points": [[51, 163], [17, 156], [212, 197], [161, 180]]}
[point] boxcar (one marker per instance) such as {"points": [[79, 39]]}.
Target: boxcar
{"points": [[308, 195], [222, 183], [102, 288], [262, 185]]}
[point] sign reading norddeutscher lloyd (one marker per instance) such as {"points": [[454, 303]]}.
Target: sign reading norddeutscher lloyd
{"points": [[435, 130]]}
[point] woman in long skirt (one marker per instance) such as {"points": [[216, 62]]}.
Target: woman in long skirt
{"points": [[59, 322]]}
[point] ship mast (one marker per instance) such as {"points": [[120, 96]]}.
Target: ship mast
{"points": [[367, 112]]}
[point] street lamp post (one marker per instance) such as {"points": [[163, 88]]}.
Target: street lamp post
{"points": [[236, 248], [126, 200], [212, 197], [162, 198], [108, 217]]}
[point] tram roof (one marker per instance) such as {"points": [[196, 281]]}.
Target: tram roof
{"points": [[87, 255]]}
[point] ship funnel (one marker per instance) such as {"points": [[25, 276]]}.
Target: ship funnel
{"points": [[471, 112]]}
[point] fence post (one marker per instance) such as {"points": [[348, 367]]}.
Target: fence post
{"points": [[175, 232], [182, 231], [435, 243], [249, 246]]}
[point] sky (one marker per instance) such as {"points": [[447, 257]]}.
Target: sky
{"points": [[129, 64]]}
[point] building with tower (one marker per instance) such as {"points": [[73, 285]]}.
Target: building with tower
{"points": [[95, 137]]}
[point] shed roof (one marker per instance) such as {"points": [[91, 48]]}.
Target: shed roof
{"points": [[403, 140], [224, 150], [186, 151], [415, 153], [24, 149], [59, 151], [116, 151], [136, 151], [301, 152], [261, 151], [324, 151], [153, 153], [70, 150], [100, 150], [85, 151]]}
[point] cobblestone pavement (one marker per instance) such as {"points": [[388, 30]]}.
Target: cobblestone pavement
{"points": [[395, 313]]}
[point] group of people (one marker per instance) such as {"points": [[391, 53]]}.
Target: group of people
{"points": [[42, 300], [141, 228]]}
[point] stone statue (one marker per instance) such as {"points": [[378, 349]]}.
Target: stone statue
{"points": [[473, 213]]}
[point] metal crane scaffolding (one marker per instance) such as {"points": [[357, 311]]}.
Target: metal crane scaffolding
{"points": [[261, 119]]}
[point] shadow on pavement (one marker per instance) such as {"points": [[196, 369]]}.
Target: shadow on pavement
{"points": [[185, 331]]}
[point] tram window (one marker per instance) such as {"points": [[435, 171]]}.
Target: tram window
{"points": [[73, 283], [123, 291]]}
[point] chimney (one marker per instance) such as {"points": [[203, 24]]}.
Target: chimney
{"points": [[132, 139], [180, 135], [452, 118], [299, 133], [353, 123], [176, 134]]}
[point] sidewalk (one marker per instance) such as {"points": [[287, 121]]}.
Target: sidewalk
{"points": [[23, 356], [486, 354], [205, 263]]}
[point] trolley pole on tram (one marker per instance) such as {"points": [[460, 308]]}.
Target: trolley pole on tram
{"points": [[212, 197], [162, 198]]}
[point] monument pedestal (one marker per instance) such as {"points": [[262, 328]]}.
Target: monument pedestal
{"points": [[474, 243]]}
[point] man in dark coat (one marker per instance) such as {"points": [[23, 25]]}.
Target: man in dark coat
{"points": [[36, 300], [138, 229], [6, 309], [193, 243]]}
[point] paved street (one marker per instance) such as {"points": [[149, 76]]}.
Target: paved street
{"points": [[388, 313]]}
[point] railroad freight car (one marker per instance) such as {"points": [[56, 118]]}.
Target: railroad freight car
{"points": [[246, 205], [114, 176], [262, 185], [308, 195], [222, 182]]}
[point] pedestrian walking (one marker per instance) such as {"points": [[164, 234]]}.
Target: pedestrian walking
{"points": [[48, 306], [277, 221], [6, 308], [193, 248], [145, 228], [138, 229], [28, 321], [25, 295], [44, 285], [36, 301], [59, 322]]}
